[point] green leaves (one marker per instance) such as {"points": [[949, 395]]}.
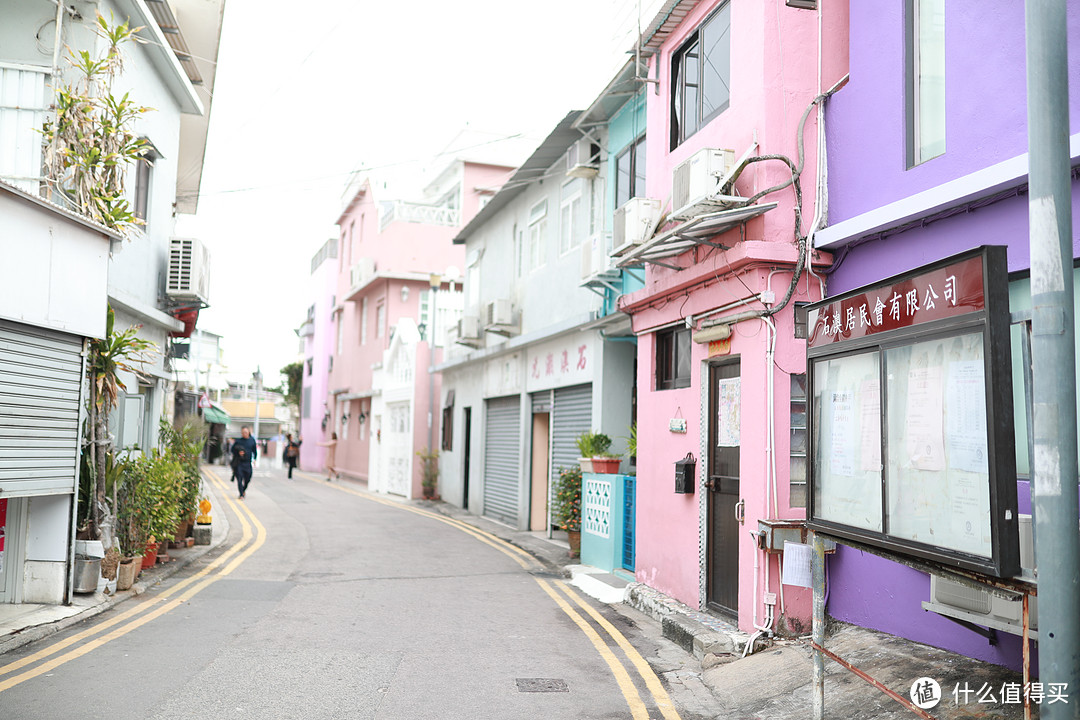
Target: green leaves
{"points": [[566, 504]]}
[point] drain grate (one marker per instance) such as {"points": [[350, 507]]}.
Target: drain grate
{"points": [[541, 685]]}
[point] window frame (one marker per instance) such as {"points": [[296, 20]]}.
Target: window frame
{"points": [[571, 214], [916, 153], [667, 355], [537, 234], [631, 151], [677, 108]]}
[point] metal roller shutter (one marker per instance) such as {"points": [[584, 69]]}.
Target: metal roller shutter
{"points": [[502, 459], [40, 384], [572, 417]]}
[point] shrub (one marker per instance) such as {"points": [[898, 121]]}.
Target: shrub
{"points": [[566, 507]]}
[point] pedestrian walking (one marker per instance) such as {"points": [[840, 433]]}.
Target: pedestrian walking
{"points": [[331, 453], [245, 450], [292, 452]]}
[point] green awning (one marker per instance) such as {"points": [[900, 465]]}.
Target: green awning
{"points": [[213, 415]]}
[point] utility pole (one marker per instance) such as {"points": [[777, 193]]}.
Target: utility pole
{"points": [[1053, 355], [258, 386]]}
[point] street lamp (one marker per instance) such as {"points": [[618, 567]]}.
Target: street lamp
{"points": [[257, 377]]}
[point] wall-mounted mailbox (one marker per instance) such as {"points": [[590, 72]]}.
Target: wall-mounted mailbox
{"points": [[685, 474]]}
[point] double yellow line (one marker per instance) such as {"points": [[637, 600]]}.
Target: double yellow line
{"points": [[147, 610], [553, 588]]}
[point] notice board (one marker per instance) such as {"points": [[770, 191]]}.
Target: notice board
{"points": [[911, 420]]}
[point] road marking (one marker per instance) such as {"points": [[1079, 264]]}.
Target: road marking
{"points": [[626, 685], [528, 562], [144, 609]]}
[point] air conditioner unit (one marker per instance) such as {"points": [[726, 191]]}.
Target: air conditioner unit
{"points": [[594, 256], [983, 607], [634, 223], [499, 313], [361, 271], [698, 178], [189, 270], [468, 331], [583, 159]]}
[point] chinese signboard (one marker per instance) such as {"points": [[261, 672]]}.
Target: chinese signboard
{"points": [[560, 363], [911, 415]]}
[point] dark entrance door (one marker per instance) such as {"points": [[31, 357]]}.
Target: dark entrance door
{"points": [[467, 422], [722, 483]]}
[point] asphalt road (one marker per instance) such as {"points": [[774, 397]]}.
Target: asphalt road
{"points": [[328, 602]]}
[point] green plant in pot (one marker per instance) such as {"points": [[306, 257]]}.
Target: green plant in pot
{"points": [[566, 505], [184, 445], [591, 444], [429, 469], [149, 503]]}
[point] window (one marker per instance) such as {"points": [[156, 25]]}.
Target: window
{"points": [[340, 334], [571, 215], [537, 231], [363, 321], [797, 451], [427, 331], [701, 76], [144, 170], [519, 251], [925, 80], [380, 319], [630, 172], [673, 358], [305, 403], [309, 366]]}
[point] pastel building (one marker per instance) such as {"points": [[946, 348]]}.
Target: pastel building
{"points": [[315, 338], [396, 292], [938, 172], [720, 227]]}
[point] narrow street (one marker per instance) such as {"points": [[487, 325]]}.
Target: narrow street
{"points": [[329, 602]]}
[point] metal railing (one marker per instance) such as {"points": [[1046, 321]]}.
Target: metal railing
{"points": [[402, 211]]}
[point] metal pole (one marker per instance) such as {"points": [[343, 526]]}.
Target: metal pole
{"points": [[258, 387], [1054, 466], [817, 579]]}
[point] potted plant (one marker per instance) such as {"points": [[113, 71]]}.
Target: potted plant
{"points": [[149, 509], [631, 446], [184, 445], [590, 444], [429, 469], [606, 463], [566, 506]]}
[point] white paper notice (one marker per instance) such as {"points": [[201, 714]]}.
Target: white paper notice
{"points": [[797, 557], [729, 397], [842, 452], [870, 417], [965, 428], [925, 442]]}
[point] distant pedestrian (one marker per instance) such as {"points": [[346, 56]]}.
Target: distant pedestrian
{"points": [[331, 453], [245, 450], [292, 452]]}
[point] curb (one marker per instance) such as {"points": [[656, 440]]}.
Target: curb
{"points": [[157, 574]]}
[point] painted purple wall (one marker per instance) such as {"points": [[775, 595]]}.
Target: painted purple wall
{"points": [[986, 95]]}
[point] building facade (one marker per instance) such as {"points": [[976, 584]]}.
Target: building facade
{"points": [[315, 337]]}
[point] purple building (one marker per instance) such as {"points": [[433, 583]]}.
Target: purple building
{"points": [[927, 158]]}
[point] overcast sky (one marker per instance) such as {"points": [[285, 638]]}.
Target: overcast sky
{"points": [[307, 93]]}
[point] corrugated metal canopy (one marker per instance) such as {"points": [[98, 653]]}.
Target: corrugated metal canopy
{"points": [[554, 145], [698, 231], [166, 20], [665, 22]]}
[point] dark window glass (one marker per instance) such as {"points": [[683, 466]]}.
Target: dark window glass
{"points": [[701, 76], [630, 172], [673, 358]]}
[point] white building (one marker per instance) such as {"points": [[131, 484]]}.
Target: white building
{"points": [[172, 71]]}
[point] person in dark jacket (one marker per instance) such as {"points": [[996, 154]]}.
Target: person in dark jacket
{"points": [[292, 452], [245, 450]]}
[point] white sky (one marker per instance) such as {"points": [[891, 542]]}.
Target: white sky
{"points": [[306, 93]]}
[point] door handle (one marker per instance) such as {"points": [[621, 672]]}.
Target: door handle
{"points": [[740, 511]]}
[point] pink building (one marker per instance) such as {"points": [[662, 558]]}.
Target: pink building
{"points": [[396, 292], [721, 375], [315, 334]]}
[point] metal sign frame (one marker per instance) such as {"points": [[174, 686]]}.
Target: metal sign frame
{"points": [[840, 329]]}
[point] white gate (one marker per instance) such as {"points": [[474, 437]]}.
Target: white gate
{"points": [[397, 441]]}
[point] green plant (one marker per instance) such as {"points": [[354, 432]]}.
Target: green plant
{"points": [[90, 140], [593, 444], [184, 444], [429, 469], [631, 441], [566, 503], [149, 502]]}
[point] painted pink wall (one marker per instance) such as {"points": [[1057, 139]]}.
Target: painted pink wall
{"points": [[318, 347], [774, 79]]}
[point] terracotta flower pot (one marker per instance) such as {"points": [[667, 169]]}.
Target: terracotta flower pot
{"points": [[606, 466], [150, 557], [574, 538]]}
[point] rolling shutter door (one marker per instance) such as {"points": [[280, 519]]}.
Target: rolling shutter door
{"points": [[40, 383], [502, 453], [572, 417]]}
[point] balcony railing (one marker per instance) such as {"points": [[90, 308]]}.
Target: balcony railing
{"points": [[402, 211]]}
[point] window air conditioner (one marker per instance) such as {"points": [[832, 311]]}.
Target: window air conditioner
{"points": [[594, 256], [583, 159], [189, 270], [634, 223], [697, 179], [499, 313], [982, 607], [468, 331]]}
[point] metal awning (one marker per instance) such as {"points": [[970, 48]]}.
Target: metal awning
{"points": [[360, 395], [215, 417], [166, 20], [698, 231]]}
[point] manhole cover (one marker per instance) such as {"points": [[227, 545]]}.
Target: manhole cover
{"points": [[541, 685]]}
